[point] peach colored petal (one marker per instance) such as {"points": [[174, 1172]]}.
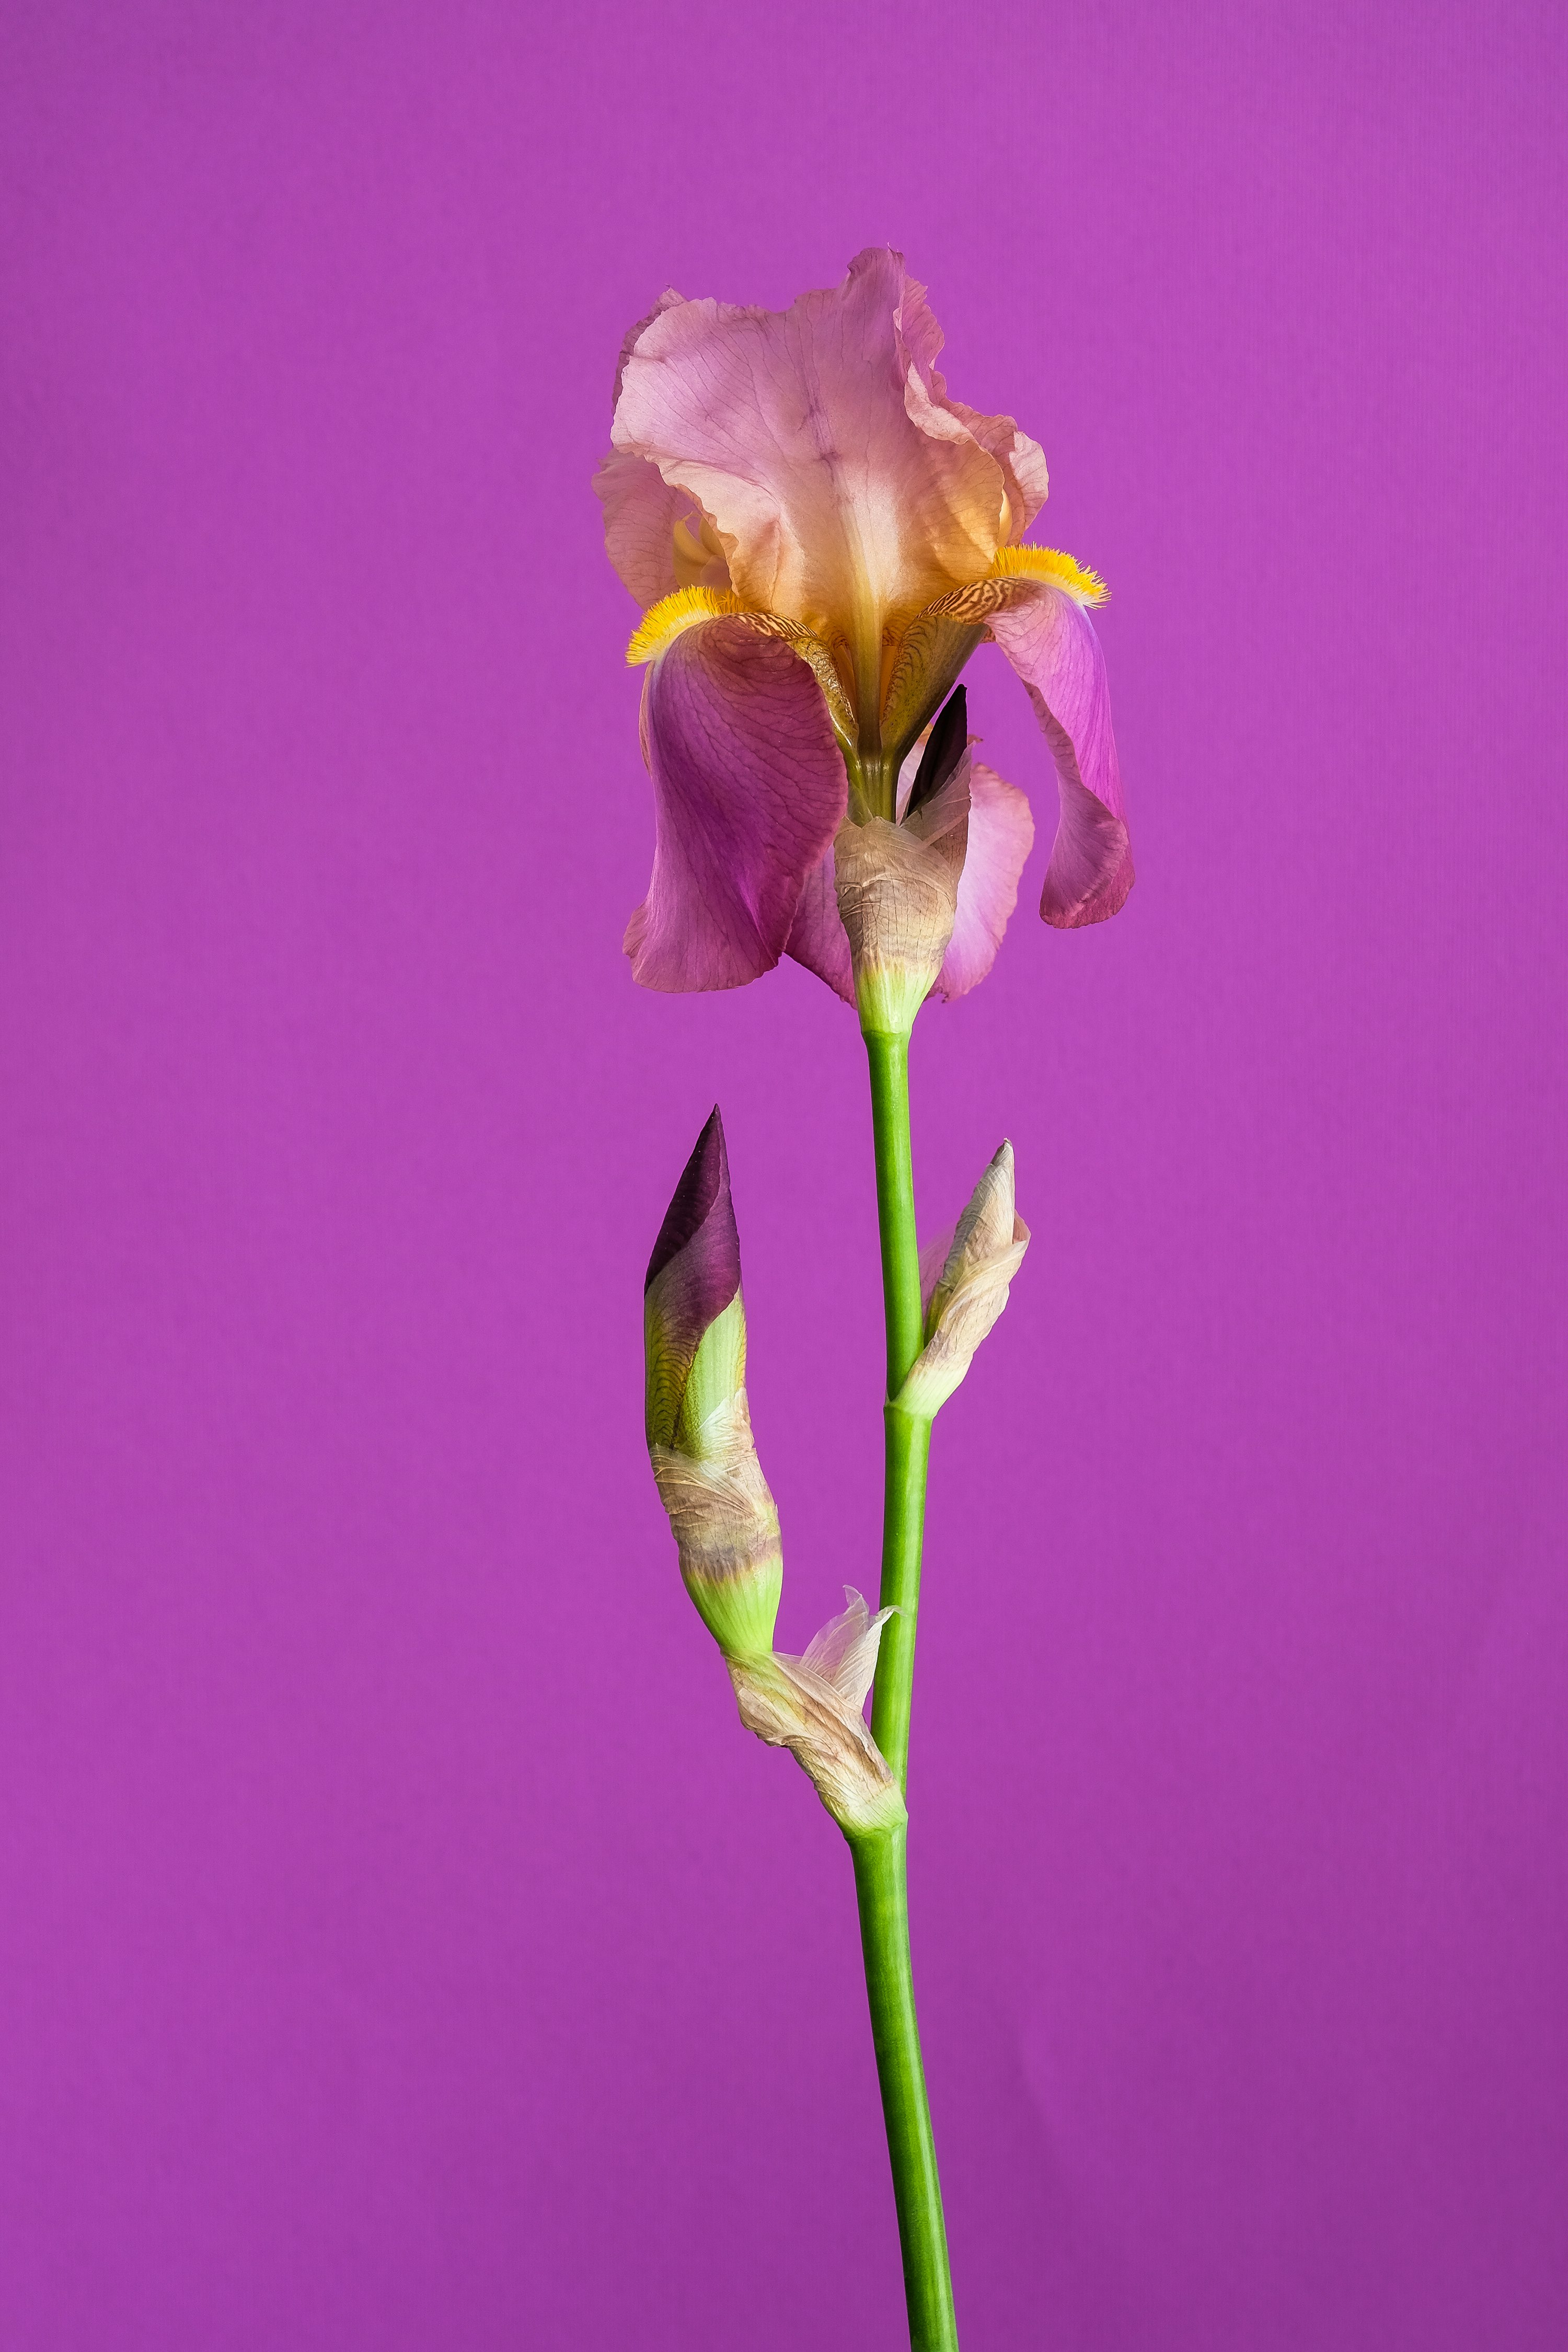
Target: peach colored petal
{"points": [[847, 490], [641, 512]]}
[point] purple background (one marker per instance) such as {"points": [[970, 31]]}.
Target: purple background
{"points": [[401, 1947]]}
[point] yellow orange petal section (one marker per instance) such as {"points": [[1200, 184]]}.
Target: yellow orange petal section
{"points": [[1049, 563], [663, 622]]}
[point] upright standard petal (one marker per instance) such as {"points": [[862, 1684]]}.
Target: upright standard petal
{"points": [[846, 491], [1049, 637], [1021, 459], [749, 790], [641, 512]]}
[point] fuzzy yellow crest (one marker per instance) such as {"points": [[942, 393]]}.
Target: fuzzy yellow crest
{"points": [[684, 609], [1050, 563]]}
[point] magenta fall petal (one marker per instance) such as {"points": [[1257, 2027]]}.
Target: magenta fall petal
{"points": [[749, 789], [1050, 641]]}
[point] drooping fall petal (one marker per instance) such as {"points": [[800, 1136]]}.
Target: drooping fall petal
{"points": [[749, 790], [1049, 639], [1000, 836], [818, 939], [846, 491]]}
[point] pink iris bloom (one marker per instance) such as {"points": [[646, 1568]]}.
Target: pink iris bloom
{"points": [[820, 536]]}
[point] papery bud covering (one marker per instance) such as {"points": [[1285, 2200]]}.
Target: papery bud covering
{"points": [[711, 1482], [812, 1705], [897, 884], [966, 1281]]}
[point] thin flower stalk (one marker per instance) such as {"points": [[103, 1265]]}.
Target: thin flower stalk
{"points": [[821, 536]]}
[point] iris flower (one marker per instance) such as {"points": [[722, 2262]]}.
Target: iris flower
{"points": [[821, 536]]}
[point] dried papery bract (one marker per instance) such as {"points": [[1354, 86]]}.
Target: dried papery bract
{"points": [[966, 1279], [812, 1705], [897, 889]]}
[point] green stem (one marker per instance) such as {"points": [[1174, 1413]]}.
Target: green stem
{"points": [[890, 1060], [906, 1440], [880, 1888], [880, 1882]]}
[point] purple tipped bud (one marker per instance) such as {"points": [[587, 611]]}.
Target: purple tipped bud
{"points": [[699, 1429], [693, 1276], [704, 1186]]}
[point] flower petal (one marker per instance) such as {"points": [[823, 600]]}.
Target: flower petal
{"points": [[1022, 460], [749, 789], [818, 939], [669, 299], [1050, 641], [655, 538], [1000, 836], [846, 490]]}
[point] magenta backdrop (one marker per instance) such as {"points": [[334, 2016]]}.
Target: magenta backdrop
{"points": [[401, 1945]]}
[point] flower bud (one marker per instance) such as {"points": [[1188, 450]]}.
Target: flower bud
{"points": [[812, 1705], [897, 884], [698, 1428], [966, 1278]]}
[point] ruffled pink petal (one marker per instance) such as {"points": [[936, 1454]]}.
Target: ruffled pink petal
{"points": [[1022, 460], [1049, 639], [641, 511], [843, 486], [668, 300], [749, 790], [818, 939], [1000, 836]]}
